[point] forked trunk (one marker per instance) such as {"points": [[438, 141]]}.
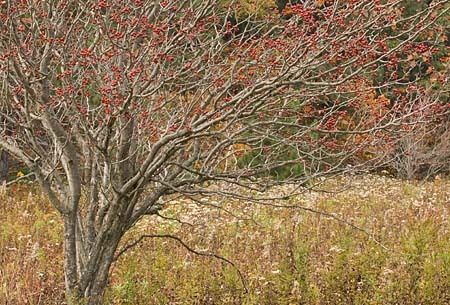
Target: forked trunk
{"points": [[87, 276]]}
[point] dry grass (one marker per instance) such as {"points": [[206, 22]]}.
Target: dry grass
{"points": [[288, 256], [30, 249]]}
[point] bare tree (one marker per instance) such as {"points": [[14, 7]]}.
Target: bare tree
{"points": [[423, 149], [118, 104]]}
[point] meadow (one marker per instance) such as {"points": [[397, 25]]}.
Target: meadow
{"points": [[286, 255]]}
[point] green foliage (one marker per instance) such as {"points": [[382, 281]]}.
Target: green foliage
{"points": [[256, 158]]}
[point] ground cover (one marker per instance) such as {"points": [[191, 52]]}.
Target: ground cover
{"points": [[286, 255]]}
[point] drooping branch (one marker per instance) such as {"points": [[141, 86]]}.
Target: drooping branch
{"points": [[187, 247]]}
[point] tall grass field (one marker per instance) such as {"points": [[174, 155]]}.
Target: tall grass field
{"points": [[285, 255]]}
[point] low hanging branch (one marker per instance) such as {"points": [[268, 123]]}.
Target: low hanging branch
{"points": [[9, 183], [190, 249], [332, 216]]}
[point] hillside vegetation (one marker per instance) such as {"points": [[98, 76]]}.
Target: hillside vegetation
{"points": [[286, 255]]}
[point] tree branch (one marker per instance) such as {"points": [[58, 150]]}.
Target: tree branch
{"points": [[180, 241]]}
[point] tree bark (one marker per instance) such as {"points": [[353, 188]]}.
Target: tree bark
{"points": [[4, 167], [100, 280], [70, 262], [87, 278]]}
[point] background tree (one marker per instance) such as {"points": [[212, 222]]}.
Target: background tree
{"points": [[117, 105]]}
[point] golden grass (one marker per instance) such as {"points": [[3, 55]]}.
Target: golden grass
{"points": [[288, 256]]}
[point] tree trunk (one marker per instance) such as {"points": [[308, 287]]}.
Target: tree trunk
{"points": [[70, 263], [4, 167], [100, 281], [87, 278]]}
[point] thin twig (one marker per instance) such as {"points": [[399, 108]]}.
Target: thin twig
{"points": [[329, 215], [173, 219], [210, 254], [19, 178]]}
